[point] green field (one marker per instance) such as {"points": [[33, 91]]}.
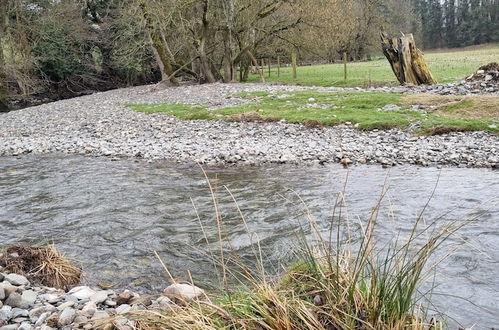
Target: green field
{"points": [[367, 110], [446, 66]]}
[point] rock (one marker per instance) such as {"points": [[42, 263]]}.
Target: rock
{"points": [[29, 297], [25, 326], [2, 294], [9, 327], [6, 313], [125, 308], [8, 288], [81, 292], [184, 291], [100, 315], [36, 313], [99, 297], [67, 316], [15, 300], [124, 297], [89, 309], [16, 279], [41, 319], [391, 107], [65, 305], [16, 312]]}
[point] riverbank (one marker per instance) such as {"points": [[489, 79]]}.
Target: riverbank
{"points": [[101, 125]]}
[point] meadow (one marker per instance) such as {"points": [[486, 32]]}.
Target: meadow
{"points": [[446, 65]]}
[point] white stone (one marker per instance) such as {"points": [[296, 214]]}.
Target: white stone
{"points": [[89, 309], [184, 291], [82, 292], [125, 308], [99, 297]]}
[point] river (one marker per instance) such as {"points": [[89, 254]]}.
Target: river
{"points": [[111, 215]]}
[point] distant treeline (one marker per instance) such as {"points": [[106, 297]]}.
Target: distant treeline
{"points": [[458, 23]]}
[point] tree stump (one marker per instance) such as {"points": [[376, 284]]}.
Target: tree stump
{"points": [[406, 60]]}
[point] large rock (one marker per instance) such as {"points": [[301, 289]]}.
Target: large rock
{"points": [[99, 297], [184, 292], [15, 300], [82, 292], [16, 279], [8, 288], [5, 313], [29, 297], [67, 316]]}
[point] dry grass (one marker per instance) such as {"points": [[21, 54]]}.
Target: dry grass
{"points": [[470, 106], [42, 264]]}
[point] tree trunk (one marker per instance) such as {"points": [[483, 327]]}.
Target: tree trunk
{"points": [[3, 77], [406, 60], [160, 50]]}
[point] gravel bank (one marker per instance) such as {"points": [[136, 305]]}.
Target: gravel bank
{"points": [[99, 125]]}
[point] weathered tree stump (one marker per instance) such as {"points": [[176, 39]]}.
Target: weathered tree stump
{"points": [[406, 60]]}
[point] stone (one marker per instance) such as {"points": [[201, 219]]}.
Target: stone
{"points": [[15, 300], [89, 309], [391, 107], [67, 316], [29, 297], [8, 288], [16, 279], [81, 292], [35, 313], [25, 326], [183, 291], [124, 297], [6, 313], [9, 327], [100, 315], [65, 305], [99, 297], [125, 308], [2, 294], [16, 312]]}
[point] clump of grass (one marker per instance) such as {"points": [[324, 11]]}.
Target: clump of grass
{"points": [[42, 264], [336, 283]]}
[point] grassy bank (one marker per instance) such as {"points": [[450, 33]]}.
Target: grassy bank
{"points": [[376, 110], [446, 66]]}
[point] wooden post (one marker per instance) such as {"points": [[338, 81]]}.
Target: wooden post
{"points": [[262, 67], [345, 60], [268, 62], [278, 66], [293, 63]]}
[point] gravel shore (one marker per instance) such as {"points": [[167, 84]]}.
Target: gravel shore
{"points": [[100, 125]]}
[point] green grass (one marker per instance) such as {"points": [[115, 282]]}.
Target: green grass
{"points": [[448, 66], [319, 108], [182, 111], [357, 107]]}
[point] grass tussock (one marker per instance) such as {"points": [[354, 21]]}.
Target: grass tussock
{"points": [[337, 282], [41, 264]]}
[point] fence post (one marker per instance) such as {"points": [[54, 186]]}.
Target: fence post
{"points": [[293, 63], [345, 64], [278, 66]]}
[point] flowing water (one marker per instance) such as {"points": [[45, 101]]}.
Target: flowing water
{"points": [[112, 215]]}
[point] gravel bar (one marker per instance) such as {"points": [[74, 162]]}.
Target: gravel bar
{"points": [[100, 125]]}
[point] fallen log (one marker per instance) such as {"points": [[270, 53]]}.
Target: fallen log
{"points": [[406, 60]]}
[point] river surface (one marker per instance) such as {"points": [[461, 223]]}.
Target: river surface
{"points": [[112, 215]]}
